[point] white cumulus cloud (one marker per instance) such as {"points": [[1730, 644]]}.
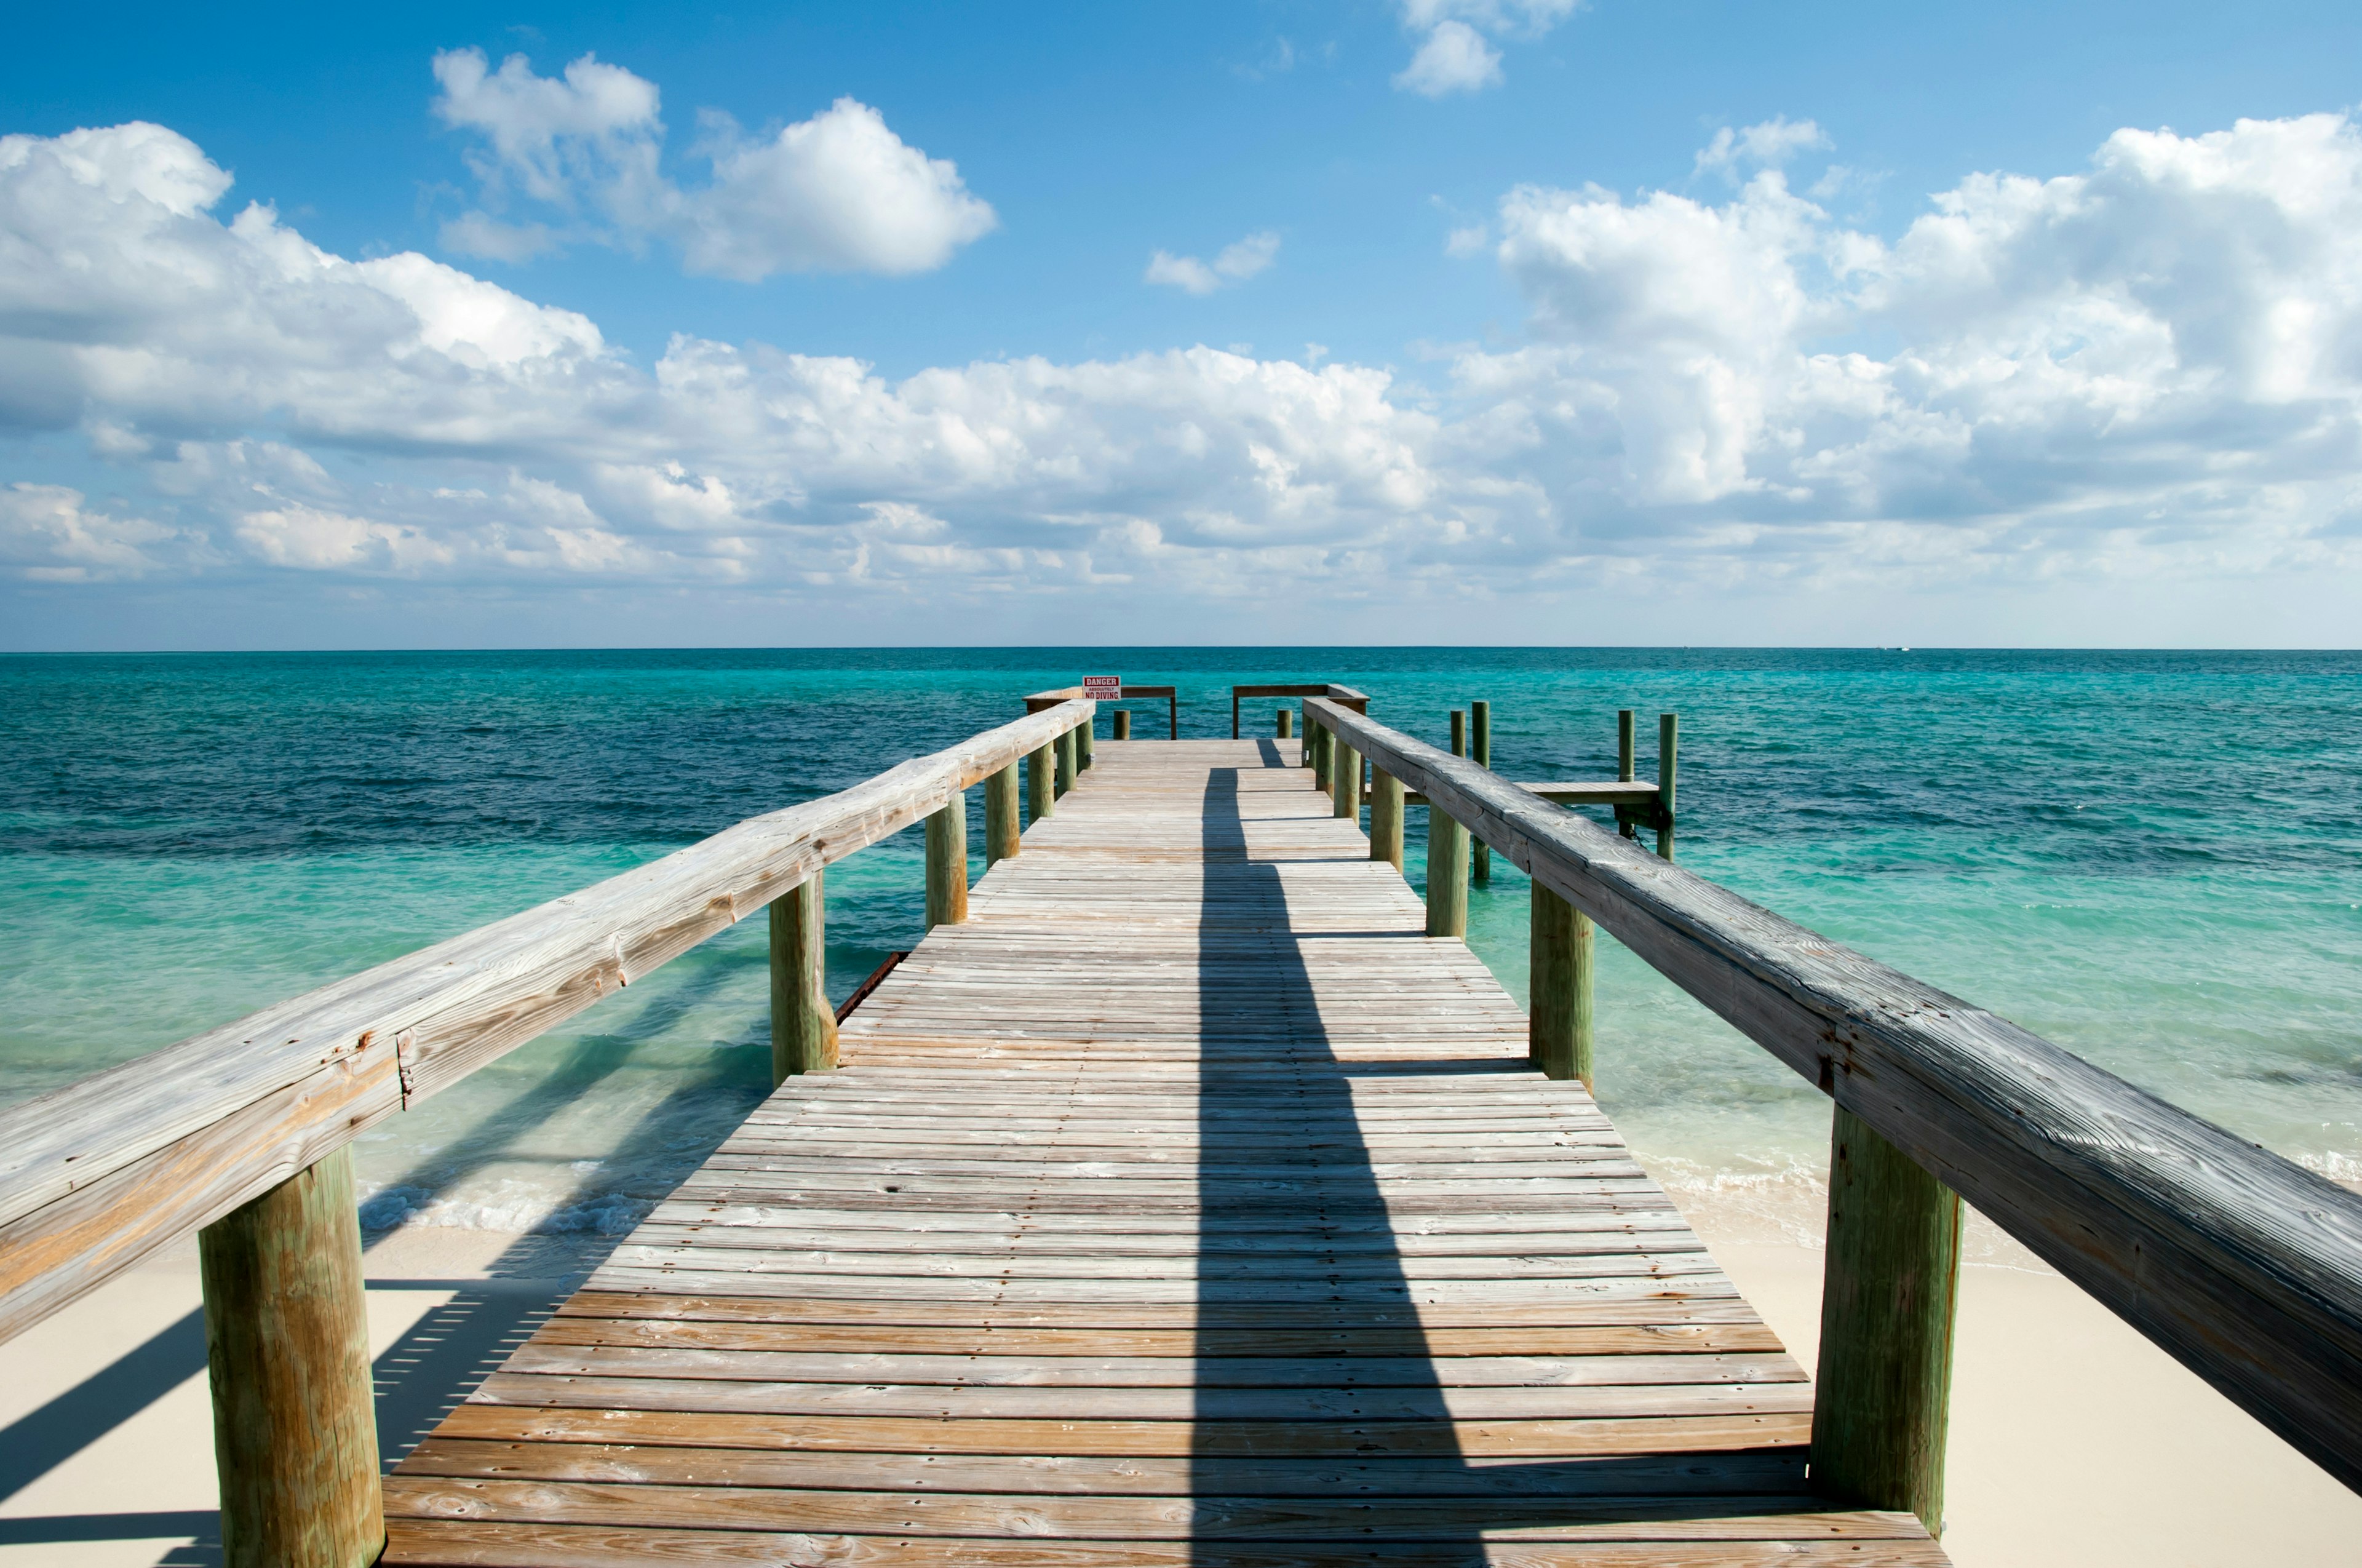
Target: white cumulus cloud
{"points": [[837, 192], [2147, 368], [50, 532], [1452, 58], [1453, 54]]}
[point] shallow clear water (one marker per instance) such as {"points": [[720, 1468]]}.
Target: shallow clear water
{"points": [[2155, 859]]}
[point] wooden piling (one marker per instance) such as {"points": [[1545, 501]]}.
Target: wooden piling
{"points": [[1000, 822], [1446, 856], [1385, 817], [1284, 724], [287, 1354], [1039, 797], [1063, 748], [1626, 765], [1122, 724], [1345, 783], [1306, 727], [947, 864], [1669, 735], [1559, 1008], [1480, 747], [804, 1026], [1323, 744], [1085, 732], [1447, 875], [1888, 1297]]}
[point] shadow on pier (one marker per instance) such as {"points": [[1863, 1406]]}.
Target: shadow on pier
{"points": [[1321, 1420]]}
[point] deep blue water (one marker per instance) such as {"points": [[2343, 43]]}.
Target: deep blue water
{"points": [[2154, 858]]}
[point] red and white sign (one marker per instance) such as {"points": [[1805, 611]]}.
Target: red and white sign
{"points": [[1103, 688]]}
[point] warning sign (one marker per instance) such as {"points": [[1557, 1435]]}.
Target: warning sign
{"points": [[1103, 688]]}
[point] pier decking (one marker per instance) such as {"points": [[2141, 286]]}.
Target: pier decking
{"points": [[1184, 1204]]}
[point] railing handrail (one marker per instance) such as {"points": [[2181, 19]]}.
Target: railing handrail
{"points": [[1037, 701], [2242, 1265], [1330, 689], [101, 1174]]}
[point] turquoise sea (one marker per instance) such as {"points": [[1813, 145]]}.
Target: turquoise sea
{"points": [[2153, 858]]}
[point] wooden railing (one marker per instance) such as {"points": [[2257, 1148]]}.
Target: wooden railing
{"points": [[241, 1133], [2244, 1266], [1322, 689], [1122, 720]]}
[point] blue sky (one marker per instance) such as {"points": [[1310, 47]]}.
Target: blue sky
{"points": [[1505, 348]]}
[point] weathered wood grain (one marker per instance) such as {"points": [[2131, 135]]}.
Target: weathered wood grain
{"points": [[1002, 826], [1578, 792], [1887, 1312], [441, 1012], [2242, 1265], [288, 1361], [947, 864], [457, 1542], [804, 1026], [1480, 748], [1184, 1199], [1558, 966]]}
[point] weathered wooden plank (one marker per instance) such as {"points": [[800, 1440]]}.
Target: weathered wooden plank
{"points": [[575, 1327], [1250, 1404], [1248, 1317], [2242, 1265], [461, 1542], [1132, 1517], [1744, 1473], [1144, 1218], [1365, 1440], [445, 1010], [546, 1357]]}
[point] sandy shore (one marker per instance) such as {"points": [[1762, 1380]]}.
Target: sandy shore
{"points": [[2074, 1441], [105, 1427]]}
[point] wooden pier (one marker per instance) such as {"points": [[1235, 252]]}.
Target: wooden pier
{"points": [[1184, 1204], [1190, 1193]]}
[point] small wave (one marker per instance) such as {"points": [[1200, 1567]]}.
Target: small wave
{"points": [[514, 1212], [2345, 1170], [1786, 1197]]}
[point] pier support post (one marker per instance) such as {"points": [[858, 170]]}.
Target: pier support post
{"points": [[1625, 764], [804, 1026], [947, 863], [1085, 732], [1322, 744], [1283, 723], [1669, 735], [1888, 1299], [1447, 875], [288, 1358], [1122, 724], [1446, 856], [1559, 1017], [1064, 748], [1039, 764], [1385, 817], [1345, 784], [1000, 824], [1306, 725], [1480, 747]]}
